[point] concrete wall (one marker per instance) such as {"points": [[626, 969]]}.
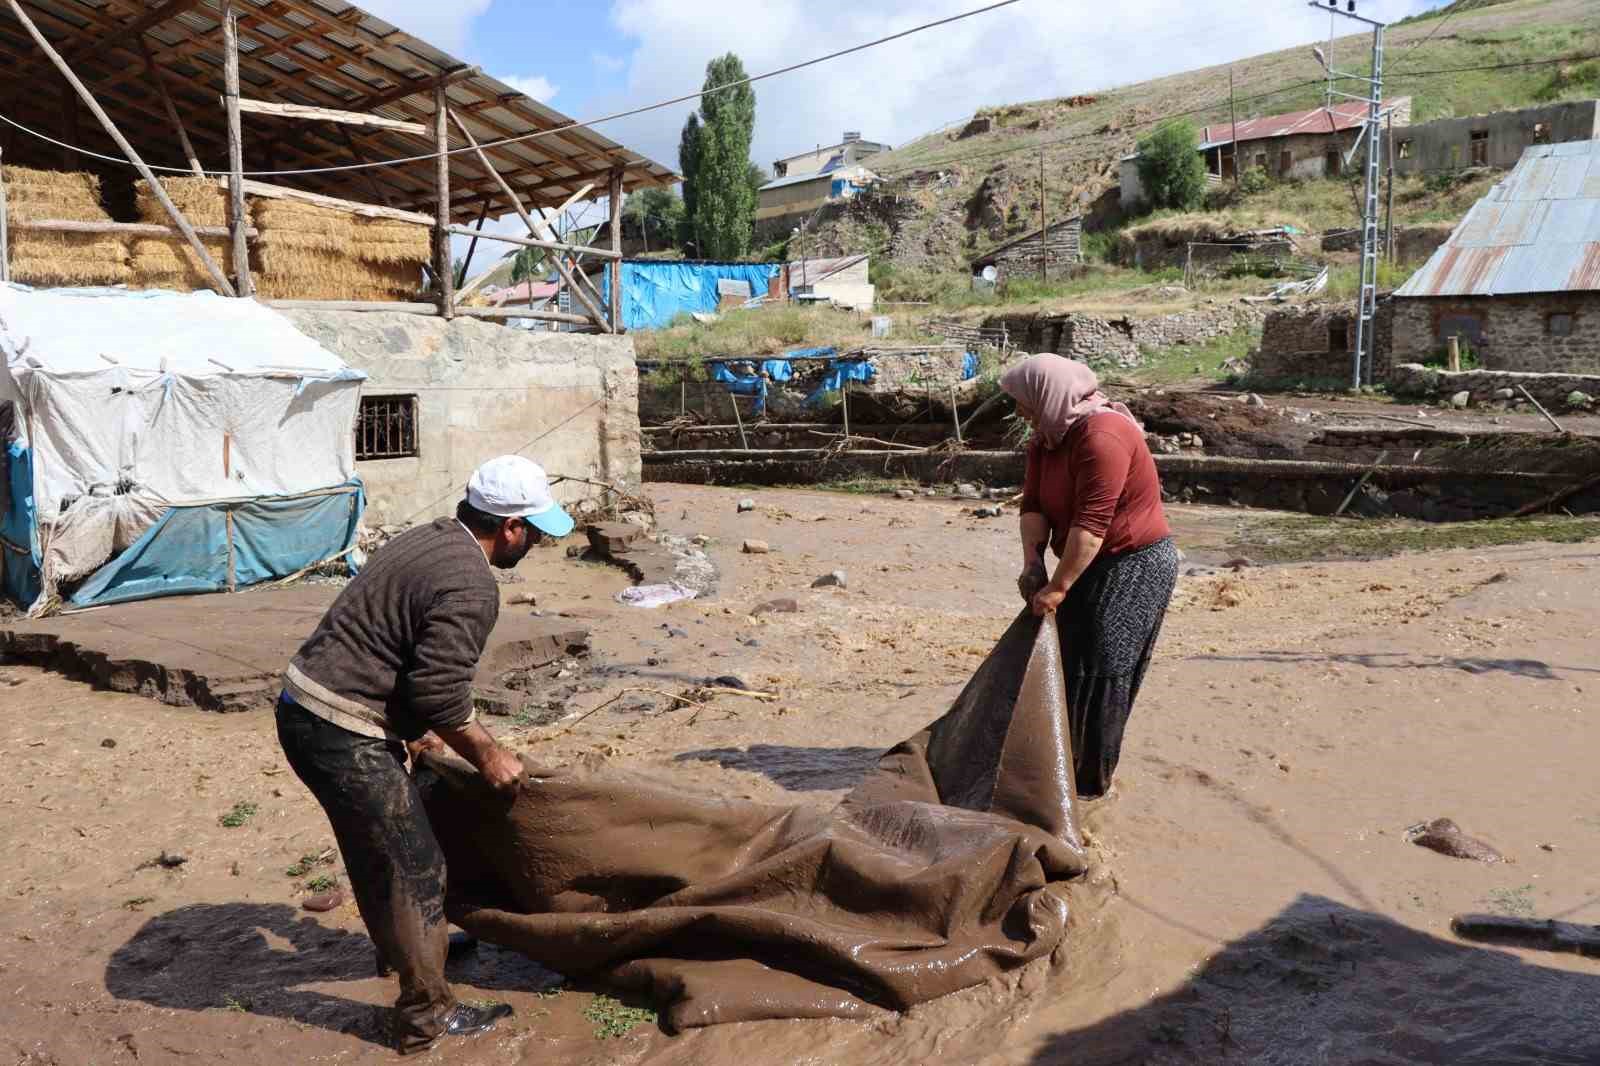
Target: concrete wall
{"points": [[1503, 332], [1446, 143], [813, 161], [794, 199], [569, 401]]}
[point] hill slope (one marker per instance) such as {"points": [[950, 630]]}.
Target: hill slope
{"points": [[959, 191]]}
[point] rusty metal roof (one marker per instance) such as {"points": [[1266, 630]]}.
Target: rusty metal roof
{"points": [[1538, 230], [1342, 116]]}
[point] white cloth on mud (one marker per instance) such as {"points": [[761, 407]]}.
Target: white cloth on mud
{"points": [[655, 595]]}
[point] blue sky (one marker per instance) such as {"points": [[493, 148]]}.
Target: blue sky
{"points": [[622, 53]]}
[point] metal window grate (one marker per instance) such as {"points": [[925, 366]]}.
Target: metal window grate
{"points": [[386, 428]]}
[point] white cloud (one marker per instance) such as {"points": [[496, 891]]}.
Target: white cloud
{"points": [[899, 91], [443, 25], [607, 62], [535, 85]]}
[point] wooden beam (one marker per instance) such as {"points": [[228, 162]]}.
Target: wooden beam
{"points": [[443, 270], [533, 242], [170, 10], [5, 236], [328, 114], [534, 228], [615, 196], [353, 305], [354, 207], [422, 85], [159, 76], [525, 312], [219, 279], [125, 229], [236, 217], [472, 246]]}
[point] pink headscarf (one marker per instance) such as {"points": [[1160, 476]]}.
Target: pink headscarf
{"points": [[1061, 391]]}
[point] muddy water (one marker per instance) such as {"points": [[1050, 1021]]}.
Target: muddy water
{"points": [[1255, 899]]}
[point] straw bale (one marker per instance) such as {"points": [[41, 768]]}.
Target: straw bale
{"points": [[386, 240], [289, 216], [201, 200], [170, 263], [298, 274], [68, 259], [32, 195]]}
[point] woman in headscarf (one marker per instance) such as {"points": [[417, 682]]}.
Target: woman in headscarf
{"points": [[1092, 494]]}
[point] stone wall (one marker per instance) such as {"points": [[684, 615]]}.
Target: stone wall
{"points": [[1478, 387], [569, 401], [1021, 259], [1412, 244], [1118, 341], [1313, 343], [1503, 332], [1446, 143]]}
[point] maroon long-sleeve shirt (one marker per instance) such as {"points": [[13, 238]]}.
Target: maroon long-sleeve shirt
{"points": [[1102, 479]]}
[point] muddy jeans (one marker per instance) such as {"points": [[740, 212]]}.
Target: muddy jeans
{"points": [[396, 867]]}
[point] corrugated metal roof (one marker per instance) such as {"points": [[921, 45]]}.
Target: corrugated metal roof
{"points": [[1345, 116], [1538, 230]]}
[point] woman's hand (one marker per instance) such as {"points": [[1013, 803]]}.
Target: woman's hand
{"points": [[1033, 578], [1047, 599]]}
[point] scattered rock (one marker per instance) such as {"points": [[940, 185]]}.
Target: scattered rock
{"points": [[1461, 400], [166, 861], [1505, 394], [577, 551], [652, 661], [750, 642], [988, 512], [1241, 563], [728, 681], [1445, 837], [833, 580], [1547, 847], [10, 680], [108, 743], [1253, 400], [613, 538], [746, 504], [324, 901], [1579, 400], [904, 494], [507, 577], [756, 547], [928, 492], [674, 631], [781, 605], [967, 491], [527, 598], [700, 540]]}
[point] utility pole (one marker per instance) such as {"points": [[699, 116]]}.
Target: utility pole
{"points": [[1233, 117], [1367, 300], [1388, 208], [1044, 227]]}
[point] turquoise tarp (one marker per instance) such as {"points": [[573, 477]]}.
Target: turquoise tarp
{"points": [[654, 293]]}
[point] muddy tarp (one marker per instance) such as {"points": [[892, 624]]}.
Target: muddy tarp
{"points": [[941, 869]]}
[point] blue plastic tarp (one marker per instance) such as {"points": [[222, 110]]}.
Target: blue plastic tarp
{"points": [[969, 367], [839, 373], [654, 293], [22, 559], [186, 550]]}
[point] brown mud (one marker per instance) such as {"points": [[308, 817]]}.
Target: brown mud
{"points": [[1260, 901]]}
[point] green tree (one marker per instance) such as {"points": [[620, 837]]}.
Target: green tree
{"points": [[724, 199], [527, 263], [688, 165], [658, 213], [1170, 169]]}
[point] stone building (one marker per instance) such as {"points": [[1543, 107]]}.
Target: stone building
{"points": [[1518, 282], [1494, 140], [1053, 248]]}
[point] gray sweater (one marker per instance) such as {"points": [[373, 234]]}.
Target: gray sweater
{"points": [[396, 653]]}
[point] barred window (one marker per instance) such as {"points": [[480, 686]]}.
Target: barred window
{"points": [[386, 428]]}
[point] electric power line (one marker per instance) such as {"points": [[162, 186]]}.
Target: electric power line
{"points": [[375, 164]]}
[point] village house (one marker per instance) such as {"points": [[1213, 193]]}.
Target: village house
{"points": [[824, 158], [784, 203], [1493, 140], [1518, 282]]}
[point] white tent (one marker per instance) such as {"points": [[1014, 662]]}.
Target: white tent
{"points": [[190, 441]]}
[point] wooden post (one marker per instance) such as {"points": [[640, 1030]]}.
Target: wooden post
{"points": [[1548, 417], [1044, 227], [5, 247], [1454, 362], [744, 442], [443, 272], [472, 246], [534, 228], [955, 413], [1388, 211], [844, 402], [160, 80], [615, 266], [218, 278], [233, 576], [1233, 117], [230, 87]]}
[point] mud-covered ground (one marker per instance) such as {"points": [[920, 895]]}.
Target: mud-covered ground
{"points": [[1258, 901]]}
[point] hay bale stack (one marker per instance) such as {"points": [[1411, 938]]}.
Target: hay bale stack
{"points": [[308, 252], [169, 262], [42, 258]]}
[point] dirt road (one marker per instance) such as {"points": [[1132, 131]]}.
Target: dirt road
{"points": [[1257, 903]]}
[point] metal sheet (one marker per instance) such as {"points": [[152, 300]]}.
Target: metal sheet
{"points": [[1456, 271], [1537, 268], [1519, 222], [1573, 148], [1569, 220], [1586, 276], [1476, 229], [1567, 182]]}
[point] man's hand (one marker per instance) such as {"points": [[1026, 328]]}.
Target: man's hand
{"points": [[428, 741], [501, 769], [1047, 599]]}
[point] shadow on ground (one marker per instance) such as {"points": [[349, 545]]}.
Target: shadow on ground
{"points": [[1326, 983], [796, 769], [1533, 669]]}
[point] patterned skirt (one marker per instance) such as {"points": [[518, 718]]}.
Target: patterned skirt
{"points": [[1109, 625]]}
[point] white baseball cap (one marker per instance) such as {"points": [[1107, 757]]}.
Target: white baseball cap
{"points": [[511, 486]]}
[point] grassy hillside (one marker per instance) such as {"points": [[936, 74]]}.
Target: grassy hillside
{"points": [[975, 189]]}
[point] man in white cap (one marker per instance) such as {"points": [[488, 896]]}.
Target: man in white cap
{"points": [[392, 662]]}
